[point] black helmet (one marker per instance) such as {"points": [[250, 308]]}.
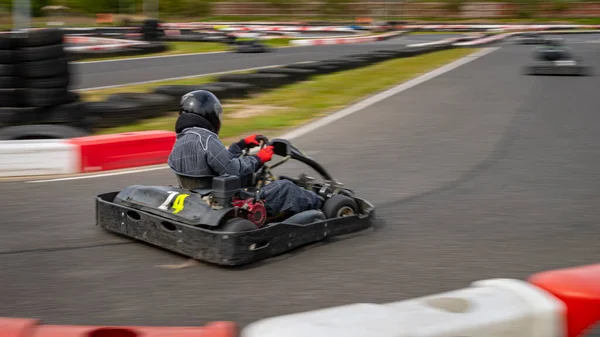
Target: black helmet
{"points": [[204, 104]]}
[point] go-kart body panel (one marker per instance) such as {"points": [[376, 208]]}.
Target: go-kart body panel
{"points": [[172, 203], [223, 248]]}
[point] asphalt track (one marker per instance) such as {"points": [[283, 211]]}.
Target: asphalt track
{"points": [[100, 74], [478, 173]]}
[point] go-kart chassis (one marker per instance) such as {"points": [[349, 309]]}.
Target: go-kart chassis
{"points": [[218, 247], [558, 68]]}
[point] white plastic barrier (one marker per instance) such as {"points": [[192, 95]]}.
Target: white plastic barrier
{"points": [[490, 308], [37, 157]]}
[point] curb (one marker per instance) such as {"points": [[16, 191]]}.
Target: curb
{"points": [[555, 303], [23, 327], [85, 154]]}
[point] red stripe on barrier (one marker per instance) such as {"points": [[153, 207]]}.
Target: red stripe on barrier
{"points": [[124, 150], [19, 327], [579, 289]]}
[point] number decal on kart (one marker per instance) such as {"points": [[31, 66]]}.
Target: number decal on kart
{"points": [[177, 204]]}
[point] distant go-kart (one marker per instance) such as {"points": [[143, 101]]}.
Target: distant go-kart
{"points": [[554, 58], [251, 46], [227, 223]]}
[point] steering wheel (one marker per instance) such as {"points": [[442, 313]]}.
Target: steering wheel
{"points": [[264, 173]]}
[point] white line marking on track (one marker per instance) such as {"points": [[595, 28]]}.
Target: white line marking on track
{"points": [[99, 175], [386, 94], [182, 77], [329, 119]]}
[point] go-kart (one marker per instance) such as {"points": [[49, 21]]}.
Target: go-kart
{"points": [[254, 46], [226, 222], [554, 58]]}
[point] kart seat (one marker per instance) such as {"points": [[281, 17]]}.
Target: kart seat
{"points": [[194, 183], [305, 218]]}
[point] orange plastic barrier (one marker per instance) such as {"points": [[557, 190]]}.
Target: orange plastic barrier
{"points": [[579, 289], [21, 327]]}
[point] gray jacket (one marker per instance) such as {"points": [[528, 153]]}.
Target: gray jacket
{"points": [[200, 153]]}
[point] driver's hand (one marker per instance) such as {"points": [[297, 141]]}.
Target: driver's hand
{"points": [[265, 154], [254, 140]]}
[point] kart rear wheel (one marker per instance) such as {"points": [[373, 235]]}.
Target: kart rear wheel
{"points": [[339, 206], [236, 225]]}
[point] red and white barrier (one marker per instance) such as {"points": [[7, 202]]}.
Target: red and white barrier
{"points": [[23, 327], [488, 39], [344, 40], [101, 43], [37, 157], [560, 303], [84, 154], [488, 308]]}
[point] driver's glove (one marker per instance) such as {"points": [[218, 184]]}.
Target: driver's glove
{"points": [[252, 141], [265, 154]]}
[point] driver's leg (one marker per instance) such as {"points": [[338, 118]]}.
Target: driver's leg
{"points": [[283, 196]]}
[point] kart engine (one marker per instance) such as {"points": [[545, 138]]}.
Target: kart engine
{"points": [[251, 210]]}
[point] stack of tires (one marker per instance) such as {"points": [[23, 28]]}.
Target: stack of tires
{"points": [[10, 111], [34, 86], [151, 30], [44, 69]]}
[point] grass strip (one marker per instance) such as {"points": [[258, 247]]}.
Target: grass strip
{"points": [[282, 108]]}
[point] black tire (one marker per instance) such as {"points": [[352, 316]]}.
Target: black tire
{"points": [[152, 47], [46, 97], [10, 97], [49, 82], [8, 56], [236, 89], [266, 81], [41, 37], [8, 70], [179, 90], [71, 114], [339, 205], [18, 116], [7, 41], [153, 104], [321, 67], [237, 225], [111, 114], [10, 82], [46, 68], [32, 54], [297, 74], [22, 132]]}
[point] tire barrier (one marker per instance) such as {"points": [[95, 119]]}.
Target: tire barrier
{"points": [[34, 79], [22, 327]]}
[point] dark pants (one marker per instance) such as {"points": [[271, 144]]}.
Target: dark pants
{"points": [[283, 196]]}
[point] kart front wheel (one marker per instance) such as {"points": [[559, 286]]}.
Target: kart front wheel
{"points": [[339, 206], [236, 225]]}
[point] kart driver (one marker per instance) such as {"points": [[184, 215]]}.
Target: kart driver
{"points": [[198, 152]]}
